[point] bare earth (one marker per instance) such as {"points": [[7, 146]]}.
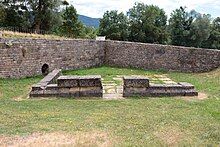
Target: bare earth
{"points": [[201, 96], [171, 136], [58, 139]]}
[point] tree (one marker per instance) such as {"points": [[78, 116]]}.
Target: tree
{"points": [[37, 14], [180, 24], [214, 39], [2, 15], [147, 24], [15, 13], [89, 32], [114, 26], [43, 11], [71, 26], [200, 30]]}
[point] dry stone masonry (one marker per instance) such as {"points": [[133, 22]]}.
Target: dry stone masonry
{"points": [[56, 85], [139, 86], [29, 57], [68, 86]]}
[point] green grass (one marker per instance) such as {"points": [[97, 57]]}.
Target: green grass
{"points": [[130, 122], [108, 73]]}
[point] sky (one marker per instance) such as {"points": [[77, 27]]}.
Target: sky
{"points": [[96, 8]]}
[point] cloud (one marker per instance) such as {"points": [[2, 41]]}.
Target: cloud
{"points": [[96, 8]]}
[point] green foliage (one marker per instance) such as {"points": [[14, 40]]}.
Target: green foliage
{"points": [[179, 26], [114, 26], [147, 24], [200, 30], [89, 32], [44, 12], [189, 28], [14, 14], [214, 39], [2, 14], [71, 26], [143, 23]]}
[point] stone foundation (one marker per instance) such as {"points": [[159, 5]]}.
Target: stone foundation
{"points": [[139, 86], [68, 86]]}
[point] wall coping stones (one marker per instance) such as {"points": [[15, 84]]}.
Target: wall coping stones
{"points": [[23, 40]]}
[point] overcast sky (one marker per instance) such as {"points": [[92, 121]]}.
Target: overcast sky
{"points": [[96, 8]]}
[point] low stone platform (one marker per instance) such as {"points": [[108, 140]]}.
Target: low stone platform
{"points": [[68, 86], [140, 86], [119, 87]]}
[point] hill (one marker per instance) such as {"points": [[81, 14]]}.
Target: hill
{"points": [[88, 21]]}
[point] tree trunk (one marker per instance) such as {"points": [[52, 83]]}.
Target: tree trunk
{"points": [[37, 22]]}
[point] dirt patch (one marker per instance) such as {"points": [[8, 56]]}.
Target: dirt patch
{"points": [[201, 96], [170, 136], [58, 139]]}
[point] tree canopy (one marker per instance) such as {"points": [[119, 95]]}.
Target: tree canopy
{"points": [[148, 24], [114, 26], [142, 23]]}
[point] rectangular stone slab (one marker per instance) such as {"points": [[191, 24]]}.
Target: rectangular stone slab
{"points": [[68, 92], [136, 81], [50, 78], [187, 85], [90, 81], [68, 81], [90, 92]]}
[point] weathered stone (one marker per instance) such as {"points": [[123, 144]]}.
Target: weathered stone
{"points": [[44, 88], [161, 90], [187, 85], [90, 92], [131, 81], [68, 81], [74, 92], [25, 57], [90, 81]]}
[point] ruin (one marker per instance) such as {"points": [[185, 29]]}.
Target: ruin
{"points": [[57, 85], [140, 86]]}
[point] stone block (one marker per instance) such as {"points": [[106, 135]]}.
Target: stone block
{"points": [[90, 81], [51, 90], [64, 92], [91, 92], [36, 93], [191, 93], [68, 81], [133, 91], [187, 85], [74, 92], [37, 87], [50, 78], [136, 81]]}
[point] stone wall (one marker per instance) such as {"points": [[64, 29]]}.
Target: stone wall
{"points": [[21, 58], [25, 57], [153, 56]]}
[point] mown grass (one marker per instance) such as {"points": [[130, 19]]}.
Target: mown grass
{"points": [[130, 122]]}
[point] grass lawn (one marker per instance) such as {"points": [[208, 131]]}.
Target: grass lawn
{"points": [[129, 122]]}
